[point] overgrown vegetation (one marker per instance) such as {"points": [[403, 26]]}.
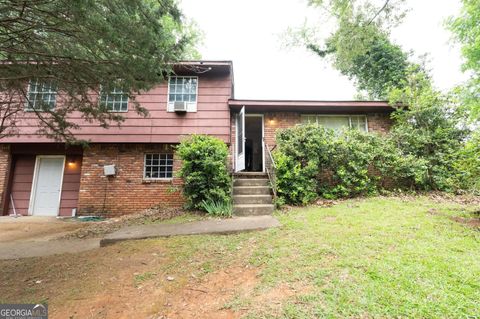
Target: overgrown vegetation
{"points": [[313, 161], [425, 150], [204, 172], [430, 147]]}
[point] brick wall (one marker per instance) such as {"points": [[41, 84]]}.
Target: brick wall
{"points": [[5, 162], [380, 123], [278, 120], [127, 192]]}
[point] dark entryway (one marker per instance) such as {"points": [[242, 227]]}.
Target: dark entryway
{"points": [[253, 143]]}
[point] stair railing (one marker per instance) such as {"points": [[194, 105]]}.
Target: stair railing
{"points": [[270, 167]]}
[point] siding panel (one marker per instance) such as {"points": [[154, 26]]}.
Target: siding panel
{"points": [[22, 183], [212, 117], [71, 185]]}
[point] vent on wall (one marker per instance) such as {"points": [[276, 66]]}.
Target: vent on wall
{"points": [[180, 106]]}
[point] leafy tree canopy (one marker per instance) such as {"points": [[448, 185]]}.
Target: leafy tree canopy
{"points": [[359, 46], [466, 28], [82, 47]]}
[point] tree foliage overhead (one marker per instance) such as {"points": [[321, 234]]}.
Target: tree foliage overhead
{"points": [[359, 46], [466, 28], [83, 47]]}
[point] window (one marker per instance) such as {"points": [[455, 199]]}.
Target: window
{"points": [[115, 101], [338, 122], [41, 95], [158, 166], [183, 89]]}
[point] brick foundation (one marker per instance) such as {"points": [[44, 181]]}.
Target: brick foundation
{"points": [[127, 192]]}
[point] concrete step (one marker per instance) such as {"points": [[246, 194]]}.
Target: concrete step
{"points": [[250, 175], [252, 199], [251, 182], [253, 209], [251, 190]]}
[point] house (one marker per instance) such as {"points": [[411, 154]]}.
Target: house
{"points": [[129, 168]]}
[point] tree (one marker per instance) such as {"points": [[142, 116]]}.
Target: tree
{"points": [[466, 28], [81, 49], [430, 126], [359, 46]]}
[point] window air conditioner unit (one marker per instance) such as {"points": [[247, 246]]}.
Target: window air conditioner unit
{"points": [[180, 106]]}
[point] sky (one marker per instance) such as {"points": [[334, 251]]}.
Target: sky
{"points": [[249, 32]]}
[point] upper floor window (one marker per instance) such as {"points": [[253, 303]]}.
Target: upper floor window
{"points": [[41, 95], [183, 89], [338, 122], [115, 100]]}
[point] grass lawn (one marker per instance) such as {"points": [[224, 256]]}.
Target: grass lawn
{"points": [[368, 258]]}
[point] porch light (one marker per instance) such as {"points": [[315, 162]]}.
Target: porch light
{"points": [[71, 162]]}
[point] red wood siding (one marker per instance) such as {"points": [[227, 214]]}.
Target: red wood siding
{"points": [[71, 185], [212, 117], [22, 183]]}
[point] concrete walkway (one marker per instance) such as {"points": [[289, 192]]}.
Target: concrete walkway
{"points": [[216, 226]]}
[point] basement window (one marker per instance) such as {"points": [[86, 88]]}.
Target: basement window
{"points": [[158, 166], [338, 122]]}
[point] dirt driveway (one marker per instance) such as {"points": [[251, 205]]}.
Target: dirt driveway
{"points": [[30, 236], [33, 228]]}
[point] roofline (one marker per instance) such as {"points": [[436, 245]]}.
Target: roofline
{"points": [[304, 106], [306, 102], [204, 62]]}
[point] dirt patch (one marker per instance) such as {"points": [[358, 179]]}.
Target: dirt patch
{"points": [[208, 298], [98, 229], [472, 222], [36, 228]]}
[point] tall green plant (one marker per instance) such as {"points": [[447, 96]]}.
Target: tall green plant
{"points": [[429, 127], [204, 171]]}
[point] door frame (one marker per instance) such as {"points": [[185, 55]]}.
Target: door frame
{"points": [[237, 142], [263, 135], [33, 191]]}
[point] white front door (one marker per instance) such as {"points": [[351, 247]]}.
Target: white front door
{"points": [[47, 185], [240, 139]]}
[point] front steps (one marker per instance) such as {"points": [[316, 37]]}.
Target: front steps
{"points": [[252, 194]]}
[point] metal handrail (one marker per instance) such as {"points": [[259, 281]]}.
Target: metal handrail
{"points": [[270, 167]]}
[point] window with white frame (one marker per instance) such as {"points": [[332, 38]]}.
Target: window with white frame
{"points": [[338, 122], [158, 166], [41, 95], [183, 89], [115, 100]]}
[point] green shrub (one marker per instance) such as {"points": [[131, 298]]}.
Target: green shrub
{"points": [[204, 171], [431, 129], [467, 166], [218, 209], [313, 161]]}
